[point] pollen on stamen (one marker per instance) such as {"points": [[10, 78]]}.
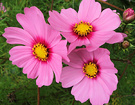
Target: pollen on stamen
{"points": [[90, 70], [40, 51], [82, 28]]}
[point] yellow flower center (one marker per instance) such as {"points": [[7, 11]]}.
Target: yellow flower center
{"points": [[90, 70], [40, 51], [82, 28]]}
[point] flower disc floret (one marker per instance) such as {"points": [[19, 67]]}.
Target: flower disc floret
{"points": [[82, 28], [40, 51], [90, 70]]}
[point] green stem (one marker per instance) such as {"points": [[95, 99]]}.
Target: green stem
{"points": [[124, 28], [73, 3]]}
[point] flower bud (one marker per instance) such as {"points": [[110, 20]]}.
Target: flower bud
{"points": [[128, 15], [125, 44]]}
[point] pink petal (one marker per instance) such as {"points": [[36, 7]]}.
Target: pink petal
{"points": [[38, 22], [33, 10], [100, 52], [91, 48], [32, 68], [33, 22], [99, 38], [78, 42], [89, 10], [85, 55], [17, 36], [58, 22], [105, 63], [53, 37], [20, 55], [114, 70], [71, 76], [70, 15], [61, 49], [117, 37], [55, 63], [75, 60], [70, 36], [0, 4], [108, 81], [105, 86], [107, 21], [81, 90], [45, 75], [124, 35], [3, 8], [98, 95]]}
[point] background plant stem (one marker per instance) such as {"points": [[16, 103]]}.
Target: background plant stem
{"points": [[123, 72], [52, 5], [38, 96], [124, 28], [73, 101], [128, 62], [111, 5]]}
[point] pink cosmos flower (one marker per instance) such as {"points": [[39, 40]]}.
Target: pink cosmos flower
{"points": [[89, 26], [2, 8], [92, 75], [42, 49]]}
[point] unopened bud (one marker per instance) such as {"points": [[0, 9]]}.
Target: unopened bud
{"points": [[125, 44], [128, 15]]}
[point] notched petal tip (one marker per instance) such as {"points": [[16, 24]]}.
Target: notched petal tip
{"points": [[18, 15], [117, 38]]}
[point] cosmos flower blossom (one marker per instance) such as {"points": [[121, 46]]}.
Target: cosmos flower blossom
{"points": [[2, 9], [89, 27], [92, 75], [41, 50]]}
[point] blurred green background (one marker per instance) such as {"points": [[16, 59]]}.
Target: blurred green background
{"points": [[16, 89]]}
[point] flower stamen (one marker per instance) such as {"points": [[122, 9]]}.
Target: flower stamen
{"points": [[90, 70], [40, 51], [82, 28]]}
